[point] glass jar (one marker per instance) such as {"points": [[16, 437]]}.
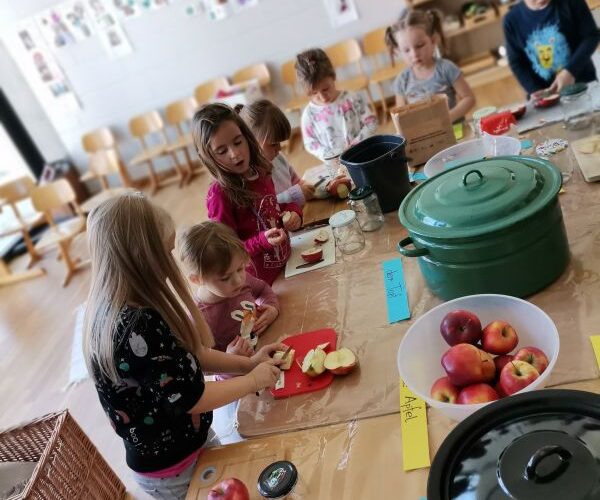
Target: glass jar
{"points": [[349, 237], [281, 480], [365, 204], [578, 110], [333, 165]]}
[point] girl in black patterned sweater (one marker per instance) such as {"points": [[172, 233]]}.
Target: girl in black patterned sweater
{"points": [[147, 346]]}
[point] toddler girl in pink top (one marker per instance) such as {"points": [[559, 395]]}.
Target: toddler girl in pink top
{"points": [[237, 306]]}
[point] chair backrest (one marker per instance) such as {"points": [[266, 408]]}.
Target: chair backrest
{"points": [[181, 111], [374, 42], [17, 190], [145, 124], [288, 73], [258, 72], [53, 195], [205, 92], [344, 53], [95, 140], [105, 162]]}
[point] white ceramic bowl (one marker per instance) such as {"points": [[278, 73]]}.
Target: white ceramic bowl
{"points": [[475, 149], [421, 349]]}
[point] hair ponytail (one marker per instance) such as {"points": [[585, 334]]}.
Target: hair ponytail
{"points": [[436, 27]]}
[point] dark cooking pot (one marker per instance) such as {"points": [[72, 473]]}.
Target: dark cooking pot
{"points": [[489, 226], [541, 445]]}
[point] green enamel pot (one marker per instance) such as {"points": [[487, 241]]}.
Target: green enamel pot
{"points": [[488, 226]]}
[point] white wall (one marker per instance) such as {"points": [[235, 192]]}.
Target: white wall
{"points": [[174, 52]]}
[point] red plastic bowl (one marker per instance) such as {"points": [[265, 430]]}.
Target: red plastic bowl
{"points": [[546, 102], [518, 111]]}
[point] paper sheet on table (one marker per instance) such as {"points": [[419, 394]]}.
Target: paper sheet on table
{"points": [[540, 117], [304, 241]]}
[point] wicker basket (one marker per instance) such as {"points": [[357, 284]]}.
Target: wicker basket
{"points": [[69, 465]]}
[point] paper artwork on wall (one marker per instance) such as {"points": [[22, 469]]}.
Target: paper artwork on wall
{"points": [[217, 10], [77, 19], [111, 33], [54, 28], [341, 12], [126, 9], [243, 4]]}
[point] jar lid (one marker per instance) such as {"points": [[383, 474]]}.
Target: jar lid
{"points": [[277, 479], [342, 218], [540, 445], [360, 192], [573, 89], [480, 197]]}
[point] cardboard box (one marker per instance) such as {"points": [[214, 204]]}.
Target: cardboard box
{"points": [[426, 126]]}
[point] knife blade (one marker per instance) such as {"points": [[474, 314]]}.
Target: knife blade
{"points": [[308, 264]]}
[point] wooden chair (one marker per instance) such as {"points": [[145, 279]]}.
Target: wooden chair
{"points": [[151, 125], [100, 140], [179, 114], [258, 72], [205, 92], [47, 199], [384, 67], [348, 53], [297, 102]]}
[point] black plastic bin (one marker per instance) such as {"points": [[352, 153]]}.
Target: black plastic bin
{"points": [[380, 162]]}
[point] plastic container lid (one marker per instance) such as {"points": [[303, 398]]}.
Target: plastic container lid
{"points": [[542, 445], [360, 193], [573, 89], [480, 197], [342, 218], [278, 479]]}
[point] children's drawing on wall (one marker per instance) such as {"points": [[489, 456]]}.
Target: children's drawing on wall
{"points": [[243, 4], [77, 19], [26, 38], [54, 28], [153, 4], [111, 33], [217, 10], [127, 9], [341, 12]]}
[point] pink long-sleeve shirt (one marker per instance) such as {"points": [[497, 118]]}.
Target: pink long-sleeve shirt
{"points": [[250, 224], [220, 317]]}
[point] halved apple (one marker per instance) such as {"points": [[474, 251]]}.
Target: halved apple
{"points": [[314, 362], [288, 360], [339, 187], [313, 254], [341, 362], [321, 237], [285, 217]]}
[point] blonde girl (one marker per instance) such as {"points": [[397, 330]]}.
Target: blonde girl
{"points": [[417, 36], [147, 345], [271, 127], [243, 195]]}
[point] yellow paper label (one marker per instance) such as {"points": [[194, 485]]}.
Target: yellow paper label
{"points": [[458, 131], [596, 345], [415, 441]]}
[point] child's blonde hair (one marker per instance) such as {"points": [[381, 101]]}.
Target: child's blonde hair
{"points": [[267, 122], [312, 66], [208, 248], [205, 123], [131, 264], [429, 20]]}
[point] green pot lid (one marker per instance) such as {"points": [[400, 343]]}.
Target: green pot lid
{"points": [[480, 197]]}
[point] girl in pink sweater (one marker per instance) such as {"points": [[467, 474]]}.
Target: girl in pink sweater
{"points": [[243, 196], [230, 299]]}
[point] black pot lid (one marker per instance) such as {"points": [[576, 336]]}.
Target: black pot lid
{"points": [[480, 197], [541, 445]]}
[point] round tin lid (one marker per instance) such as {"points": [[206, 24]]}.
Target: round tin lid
{"points": [[277, 479], [342, 218], [480, 197], [360, 193], [540, 445]]}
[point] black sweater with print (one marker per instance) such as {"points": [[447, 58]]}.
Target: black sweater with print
{"points": [[160, 382]]}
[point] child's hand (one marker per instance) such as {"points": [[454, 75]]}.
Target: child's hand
{"points": [[275, 236], [308, 190], [265, 353], [240, 346], [293, 222], [267, 314], [265, 375], [563, 78]]}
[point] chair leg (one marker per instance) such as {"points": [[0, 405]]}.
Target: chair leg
{"points": [[384, 108], [371, 102], [63, 247], [153, 178], [190, 165], [181, 174], [33, 255]]}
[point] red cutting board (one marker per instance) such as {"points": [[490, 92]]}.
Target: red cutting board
{"points": [[296, 382]]}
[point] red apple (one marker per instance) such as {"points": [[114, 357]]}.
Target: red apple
{"points": [[313, 254], [477, 393], [341, 362], [460, 327], [229, 489], [533, 356], [465, 364], [443, 390], [516, 375], [499, 390], [321, 237], [499, 338], [500, 361], [339, 187]]}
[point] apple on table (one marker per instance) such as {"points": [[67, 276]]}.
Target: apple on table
{"points": [[461, 327], [465, 364], [445, 391], [516, 375], [534, 357], [499, 337], [229, 489], [476, 394]]}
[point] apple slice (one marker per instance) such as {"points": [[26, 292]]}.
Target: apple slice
{"points": [[314, 362], [321, 237], [339, 187], [285, 217], [323, 346], [313, 254], [341, 362], [288, 360]]}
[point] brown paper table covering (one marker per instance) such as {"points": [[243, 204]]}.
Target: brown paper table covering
{"points": [[359, 459], [349, 297]]}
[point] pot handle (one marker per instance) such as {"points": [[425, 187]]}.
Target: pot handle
{"points": [[475, 171], [417, 252], [531, 473]]}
